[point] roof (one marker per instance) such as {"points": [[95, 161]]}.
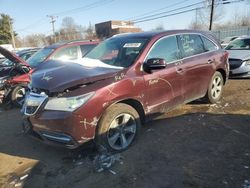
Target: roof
{"points": [[77, 42], [150, 34]]}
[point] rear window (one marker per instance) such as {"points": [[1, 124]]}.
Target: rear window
{"points": [[191, 44]]}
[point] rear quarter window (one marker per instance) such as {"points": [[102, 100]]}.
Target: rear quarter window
{"points": [[191, 44], [208, 44]]}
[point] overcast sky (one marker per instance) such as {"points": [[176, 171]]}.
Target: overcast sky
{"points": [[30, 15]]}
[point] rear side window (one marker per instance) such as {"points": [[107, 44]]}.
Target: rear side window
{"points": [[191, 44], [208, 44], [165, 48], [86, 48]]}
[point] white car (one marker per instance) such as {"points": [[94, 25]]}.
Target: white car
{"points": [[239, 57]]}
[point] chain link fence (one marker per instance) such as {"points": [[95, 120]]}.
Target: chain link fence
{"points": [[237, 31]]}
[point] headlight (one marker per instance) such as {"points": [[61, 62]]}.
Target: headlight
{"points": [[68, 103], [247, 62]]}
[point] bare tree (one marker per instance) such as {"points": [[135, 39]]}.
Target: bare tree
{"points": [[90, 33], [202, 16], [69, 30], [35, 40]]}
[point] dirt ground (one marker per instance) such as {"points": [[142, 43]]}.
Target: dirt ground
{"points": [[196, 145]]}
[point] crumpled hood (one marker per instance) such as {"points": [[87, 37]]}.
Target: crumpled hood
{"points": [[12, 57], [239, 54], [56, 76]]}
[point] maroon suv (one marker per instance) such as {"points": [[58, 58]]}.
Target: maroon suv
{"points": [[121, 83]]}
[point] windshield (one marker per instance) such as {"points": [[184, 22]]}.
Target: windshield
{"points": [[39, 57], [239, 44], [228, 39], [119, 52]]}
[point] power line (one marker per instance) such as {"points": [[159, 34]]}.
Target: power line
{"points": [[185, 11], [70, 11], [173, 10], [86, 7], [153, 11]]}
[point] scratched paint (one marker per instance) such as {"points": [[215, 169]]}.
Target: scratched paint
{"points": [[119, 77], [47, 78], [92, 123]]}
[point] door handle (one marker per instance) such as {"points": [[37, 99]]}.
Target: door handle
{"points": [[179, 70], [210, 61]]}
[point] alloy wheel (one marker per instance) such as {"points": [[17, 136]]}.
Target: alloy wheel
{"points": [[216, 87], [122, 131]]}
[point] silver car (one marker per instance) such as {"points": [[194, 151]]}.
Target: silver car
{"points": [[239, 57]]}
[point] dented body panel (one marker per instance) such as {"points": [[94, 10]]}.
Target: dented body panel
{"points": [[149, 93]]}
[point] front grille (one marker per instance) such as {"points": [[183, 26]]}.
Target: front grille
{"points": [[33, 102], [235, 63]]}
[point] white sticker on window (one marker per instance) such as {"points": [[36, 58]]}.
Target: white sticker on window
{"points": [[132, 45]]}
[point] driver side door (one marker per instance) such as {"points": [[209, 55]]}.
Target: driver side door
{"points": [[164, 88]]}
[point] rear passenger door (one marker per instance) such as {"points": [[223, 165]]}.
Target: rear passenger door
{"points": [[196, 65]]}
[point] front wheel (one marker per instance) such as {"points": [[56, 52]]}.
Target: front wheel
{"points": [[215, 88], [18, 96], [118, 127]]}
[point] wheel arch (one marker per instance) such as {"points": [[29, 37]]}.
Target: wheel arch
{"points": [[223, 73], [136, 105]]}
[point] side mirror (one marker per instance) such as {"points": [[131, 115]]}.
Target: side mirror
{"points": [[154, 64]]}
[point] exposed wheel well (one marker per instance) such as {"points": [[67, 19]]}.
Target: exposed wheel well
{"points": [[223, 73], [137, 106]]}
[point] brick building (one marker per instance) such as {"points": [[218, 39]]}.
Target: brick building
{"points": [[110, 28]]}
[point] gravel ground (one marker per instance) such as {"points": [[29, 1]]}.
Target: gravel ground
{"points": [[196, 145]]}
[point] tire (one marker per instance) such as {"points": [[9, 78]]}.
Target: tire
{"points": [[214, 92], [18, 96], [118, 128]]}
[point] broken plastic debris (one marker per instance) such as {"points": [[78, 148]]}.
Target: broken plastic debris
{"points": [[105, 161], [112, 172], [24, 176]]}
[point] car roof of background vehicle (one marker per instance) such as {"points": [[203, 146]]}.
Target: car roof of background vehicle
{"points": [[243, 37], [71, 43], [12, 57]]}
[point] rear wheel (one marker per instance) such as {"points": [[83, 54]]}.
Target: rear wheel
{"points": [[118, 127], [18, 96], [215, 88]]}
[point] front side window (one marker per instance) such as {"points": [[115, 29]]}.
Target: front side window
{"points": [[117, 51], [39, 57], [208, 44], [191, 44], [68, 53], [239, 44], [166, 49]]}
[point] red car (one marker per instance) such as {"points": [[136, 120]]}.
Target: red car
{"points": [[73, 50], [121, 83]]}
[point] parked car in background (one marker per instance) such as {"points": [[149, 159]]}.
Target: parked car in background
{"points": [[227, 40], [11, 81], [124, 81], [73, 50], [18, 83], [239, 57], [24, 54]]}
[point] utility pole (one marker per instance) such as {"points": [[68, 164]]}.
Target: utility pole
{"points": [[211, 16], [53, 20], [12, 34]]}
